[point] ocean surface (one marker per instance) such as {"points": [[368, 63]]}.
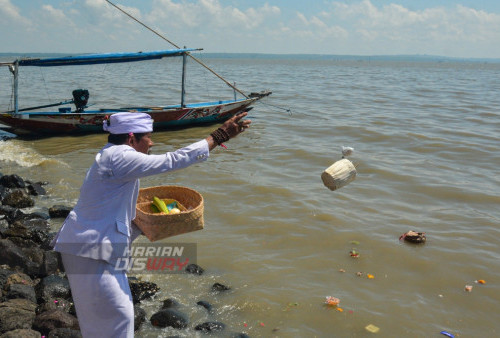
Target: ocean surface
{"points": [[427, 152]]}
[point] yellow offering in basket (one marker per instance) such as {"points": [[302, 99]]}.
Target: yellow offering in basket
{"points": [[167, 206], [184, 206]]}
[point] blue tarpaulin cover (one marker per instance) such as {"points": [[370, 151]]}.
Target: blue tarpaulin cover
{"points": [[91, 59]]}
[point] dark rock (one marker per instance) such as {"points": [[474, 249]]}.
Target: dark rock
{"points": [[35, 230], [36, 189], [18, 198], [52, 319], [48, 245], [205, 304], [59, 211], [21, 291], [22, 333], [11, 213], [142, 290], [139, 317], [34, 254], [53, 304], [4, 274], [4, 224], [13, 256], [64, 332], [52, 263], [3, 192], [170, 304], [218, 287], [194, 269], [37, 214], [169, 317], [53, 287], [209, 327], [42, 183], [18, 278], [16, 314], [240, 335], [12, 181]]}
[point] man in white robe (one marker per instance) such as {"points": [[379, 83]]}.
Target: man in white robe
{"points": [[99, 228]]}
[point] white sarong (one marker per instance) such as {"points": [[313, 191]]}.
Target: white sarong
{"points": [[102, 297]]}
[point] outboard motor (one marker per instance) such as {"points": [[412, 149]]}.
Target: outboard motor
{"points": [[80, 99]]}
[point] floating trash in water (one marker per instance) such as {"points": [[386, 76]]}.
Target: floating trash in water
{"points": [[354, 253], [447, 334], [413, 237], [290, 305], [481, 281], [468, 288], [332, 301], [372, 328], [370, 276]]}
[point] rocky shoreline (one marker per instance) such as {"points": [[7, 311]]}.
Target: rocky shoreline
{"points": [[35, 298]]}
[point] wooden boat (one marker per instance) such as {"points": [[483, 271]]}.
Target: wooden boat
{"points": [[79, 119]]}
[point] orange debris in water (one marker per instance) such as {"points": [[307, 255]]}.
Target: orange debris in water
{"points": [[332, 301]]}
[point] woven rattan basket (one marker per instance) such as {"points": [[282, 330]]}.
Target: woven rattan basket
{"points": [[158, 226]]}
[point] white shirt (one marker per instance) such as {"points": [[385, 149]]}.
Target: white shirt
{"points": [[99, 226]]}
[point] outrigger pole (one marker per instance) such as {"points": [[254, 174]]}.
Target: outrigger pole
{"points": [[176, 46]]}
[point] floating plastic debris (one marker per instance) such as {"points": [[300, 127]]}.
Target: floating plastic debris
{"points": [[447, 334], [370, 276], [468, 288], [481, 281], [372, 328]]}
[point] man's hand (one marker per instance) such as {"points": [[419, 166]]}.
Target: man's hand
{"points": [[231, 128]]}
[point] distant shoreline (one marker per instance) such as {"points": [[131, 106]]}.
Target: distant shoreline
{"points": [[403, 58]]}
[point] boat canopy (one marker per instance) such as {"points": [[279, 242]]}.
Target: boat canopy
{"points": [[91, 59]]}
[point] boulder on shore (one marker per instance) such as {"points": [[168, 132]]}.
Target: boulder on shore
{"points": [[16, 314], [53, 319], [169, 317]]}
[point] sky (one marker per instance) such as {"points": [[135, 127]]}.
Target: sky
{"points": [[460, 28]]}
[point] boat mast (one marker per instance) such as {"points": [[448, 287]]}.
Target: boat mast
{"points": [[15, 72], [183, 90]]}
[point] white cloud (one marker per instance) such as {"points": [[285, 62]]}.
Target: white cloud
{"points": [[55, 17], [9, 14], [340, 27], [209, 15]]}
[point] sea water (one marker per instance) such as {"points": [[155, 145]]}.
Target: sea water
{"points": [[426, 149]]}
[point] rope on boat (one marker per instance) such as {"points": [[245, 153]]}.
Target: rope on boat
{"points": [[176, 46], [288, 110]]}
